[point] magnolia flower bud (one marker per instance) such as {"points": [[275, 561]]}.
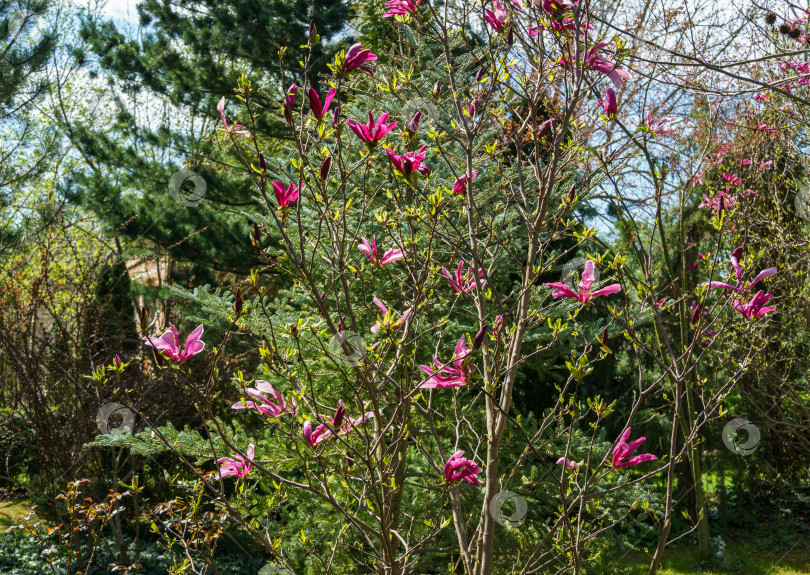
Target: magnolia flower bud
{"points": [[479, 74], [117, 360], [289, 103], [510, 36], [256, 234], [479, 337], [144, 319], [545, 126], [339, 415], [413, 125], [238, 303], [326, 166], [313, 33], [436, 87], [336, 117], [696, 309], [262, 163]]}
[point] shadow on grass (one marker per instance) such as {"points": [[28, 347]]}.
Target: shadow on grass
{"points": [[740, 558]]}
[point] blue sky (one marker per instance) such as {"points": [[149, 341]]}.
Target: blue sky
{"points": [[119, 9]]}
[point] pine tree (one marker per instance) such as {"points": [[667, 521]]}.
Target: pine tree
{"points": [[25, 46], [162, 117]]}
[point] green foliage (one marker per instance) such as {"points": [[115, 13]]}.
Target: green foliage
{"points": [[187, 442]]}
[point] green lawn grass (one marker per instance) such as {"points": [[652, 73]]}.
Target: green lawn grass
{"points": [[740, 558], [12, 511]]}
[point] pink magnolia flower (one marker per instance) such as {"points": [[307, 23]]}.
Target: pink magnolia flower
{"points": [[236, 128], [356, 58], [720, 202], [463, 282], [322, 433], [692, 267], [557, 6], [237, 466], [460, 185], [659, 126], [568, 463], [583, 293], [320, 110], [609, 103], [370, 250], [738, 273], [459, 469], [262, 404], [496, 329], [754, 307], [593, 59], [732, 179], [401, 7], [289, 102], [372, 132], [117, 361], [389, 317], [497, 17], [169, 343], [285, 196], [567, 23], [623, 452], [661, 302], [409, 162], [455, 374], [315, 438]]}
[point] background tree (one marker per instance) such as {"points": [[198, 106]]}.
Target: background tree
{"points": [[159, 91]]}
